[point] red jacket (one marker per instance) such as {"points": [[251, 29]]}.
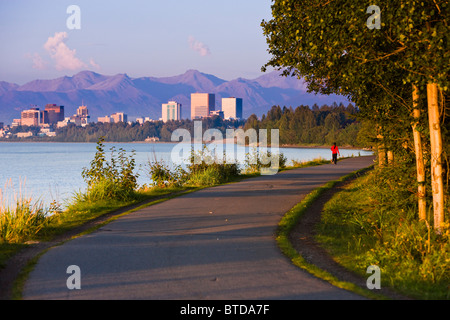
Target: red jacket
{"points": [[335, 150]]}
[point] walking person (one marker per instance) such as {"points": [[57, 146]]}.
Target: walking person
{"points": [[335, 151]]}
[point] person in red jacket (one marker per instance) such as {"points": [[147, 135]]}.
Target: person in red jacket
{"points": [[335, 151]]}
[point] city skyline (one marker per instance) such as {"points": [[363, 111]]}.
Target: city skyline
{"points": [[133, 37], [231, 108]]}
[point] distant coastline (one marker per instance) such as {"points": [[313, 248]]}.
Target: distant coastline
{"points": [[290, 146]]}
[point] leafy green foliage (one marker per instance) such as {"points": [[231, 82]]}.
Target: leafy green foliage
{"points": [[205, 169], [256, 159], [162, 175], [373, 222], [329, 45], [206, 162], [113, 180], [311, 126]]}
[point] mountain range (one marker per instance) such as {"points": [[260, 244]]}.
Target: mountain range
{"points": [[137, 97]]}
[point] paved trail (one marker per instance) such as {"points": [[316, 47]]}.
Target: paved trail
{"points": [[217, 243]]}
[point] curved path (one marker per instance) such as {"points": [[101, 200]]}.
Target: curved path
{"points": [[217, 243]]}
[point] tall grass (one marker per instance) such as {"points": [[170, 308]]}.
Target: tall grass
{"points": [[21, 218], [315, 162], [255, 160], [162, 175], [374, 222], [109, 180], [203, 169]]}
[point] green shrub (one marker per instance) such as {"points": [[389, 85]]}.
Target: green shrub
{"points": [[206, 177], [206, 169], [163, 176], [114, 180], [375, 222], [256, 159], [203, 169]]}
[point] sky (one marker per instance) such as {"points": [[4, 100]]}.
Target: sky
{"points": [[47, 39]]}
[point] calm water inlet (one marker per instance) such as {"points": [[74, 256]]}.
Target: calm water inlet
{"points": [[52, 171]]}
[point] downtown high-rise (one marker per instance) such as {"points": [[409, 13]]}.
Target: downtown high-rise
{"points": [[202, 104], [171, 111]]}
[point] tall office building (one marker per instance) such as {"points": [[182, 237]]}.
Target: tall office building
{"points": [[119, 117], [105, 119], [82, 111], [171, 111], [83, 114], [33, 117], [232, 108], [55, 113], [202, 104]]}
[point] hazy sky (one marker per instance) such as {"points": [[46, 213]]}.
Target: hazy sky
{"points": [[137, 37]]}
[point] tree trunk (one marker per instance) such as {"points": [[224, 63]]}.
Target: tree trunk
{"points": [[381, 149], [421, 192], [381, 152], [390, 157], [437, 181]]}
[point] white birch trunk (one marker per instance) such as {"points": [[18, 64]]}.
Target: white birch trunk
{"points": [[437, 181], [421, 192]]}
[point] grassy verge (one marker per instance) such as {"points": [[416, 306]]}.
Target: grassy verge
{"points": [[290, 220], [370, 224]]}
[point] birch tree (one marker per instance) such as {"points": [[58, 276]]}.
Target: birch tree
{"points": [[338, 48]]}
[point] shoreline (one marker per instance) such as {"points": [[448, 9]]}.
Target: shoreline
{"points": [[286, 146]]}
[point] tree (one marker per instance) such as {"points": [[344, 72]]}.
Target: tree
{"points": [[418, 147], [330, 46]]}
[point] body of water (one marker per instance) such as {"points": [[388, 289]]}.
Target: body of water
{"points": [[52, 171]]}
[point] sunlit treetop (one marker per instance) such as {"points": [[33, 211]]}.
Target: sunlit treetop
{"points": [[330, 44]]}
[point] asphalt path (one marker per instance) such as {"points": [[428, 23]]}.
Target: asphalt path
{"points": [[213, 244]]}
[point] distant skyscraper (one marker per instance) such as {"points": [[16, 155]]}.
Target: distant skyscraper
{"points": [[55, 113], [119, 117], [171, 111], [80, 119], [83, 114], [33, 117], [232, 108], [82, 111], [202, 104]]}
